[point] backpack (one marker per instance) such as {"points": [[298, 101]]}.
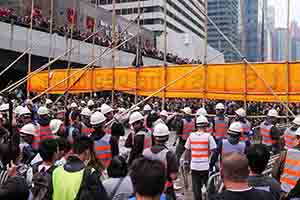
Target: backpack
{"points": [[89, 188], [41, 184]]}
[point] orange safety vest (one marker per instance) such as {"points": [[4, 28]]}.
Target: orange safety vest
{"points": [[265, 132], [147, 139], [199, 148], [291, 170], [288, 138], [45, 133], [188, 128], [36, 141], [108, 130], [103, 150], [246, 129], [86, 131], [221, 126]]}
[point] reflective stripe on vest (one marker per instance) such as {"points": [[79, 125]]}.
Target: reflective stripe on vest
{"points": [[288, 138], [103, 150], [86, 131], [188, 128], [36, 142], [221, 126], [108, 130], [160, 156], [246, 130], [69, 190], [265, 132], [230, 148], [199, 147], [147, 139], [291, 170], [45, 133]]}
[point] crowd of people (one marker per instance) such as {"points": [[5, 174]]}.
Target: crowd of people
{"points": [[86, 148], [103, 38]]}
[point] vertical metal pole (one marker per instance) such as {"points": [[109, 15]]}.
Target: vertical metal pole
{"points": [[30, 41], [137, 53], [205, 55], [93, 57], [50, 43], [114, 39], [243, 49], [288, 46], [165, 54]]}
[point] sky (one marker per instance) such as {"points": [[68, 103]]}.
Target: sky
{"points": [[281, 11]]}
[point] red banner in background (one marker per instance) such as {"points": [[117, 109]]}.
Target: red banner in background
{"points": [[71, 15]]}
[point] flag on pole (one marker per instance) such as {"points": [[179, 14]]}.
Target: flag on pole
{"points": [[71, 15]]}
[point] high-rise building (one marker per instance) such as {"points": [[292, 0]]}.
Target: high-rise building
{"points": [[225, 15], [185, 22], [254, 22], [279, 44]]}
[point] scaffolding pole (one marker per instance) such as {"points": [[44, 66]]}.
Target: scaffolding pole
{"points": [[137, 60], [165, 55], [50, 42], [288, 46], [205, 56], [113, 55], [30, 43]]}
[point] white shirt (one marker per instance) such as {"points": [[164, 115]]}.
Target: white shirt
{"points": [[200, 165]]}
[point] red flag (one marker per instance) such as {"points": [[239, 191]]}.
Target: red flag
{"points": [[90, 22], [36, 12], [71, 15]]}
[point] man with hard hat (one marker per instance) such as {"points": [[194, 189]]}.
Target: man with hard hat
{"points": [[160, 152], [269, 132], [287, 168], [28, 143], [49, 104], [163, 118], [220, 123], [115, 128], [138, 140], [186, 127], [240, 116], [105, 146], [44, 131], [199, 146], [232, 143], [203, 112], [290, 132], [85, 128], [147, 112], [82, 104], [91, 105]]}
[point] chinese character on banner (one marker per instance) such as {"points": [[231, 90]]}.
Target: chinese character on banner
{"points": [[90, 22], [71, 15]]}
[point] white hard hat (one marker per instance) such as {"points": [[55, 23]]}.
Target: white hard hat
{"points": [[86, 112], [28, 129], [240, 112], [28, 102], [49, 101], [272, 113], [201, 111], [136, 116], [220, 106], [106, 109], [43, 111], [201, 119], [55, 125], [161, 130], [25, 111], [97, 118], [18, 110], [235, 128], [297, 120], [73, 105], [187, 110], [147, 108], [82, 102], [164, 113], [90, 103], [121, 110], [4, 107]]}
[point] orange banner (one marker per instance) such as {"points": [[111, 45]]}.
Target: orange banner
{"points": [[223, 81]]}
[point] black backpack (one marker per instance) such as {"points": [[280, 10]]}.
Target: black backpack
{"points": [[89, 188], [41, 184]]}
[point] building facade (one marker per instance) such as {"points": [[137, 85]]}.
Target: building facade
{"points": [[225, 15], [279, 44]]}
